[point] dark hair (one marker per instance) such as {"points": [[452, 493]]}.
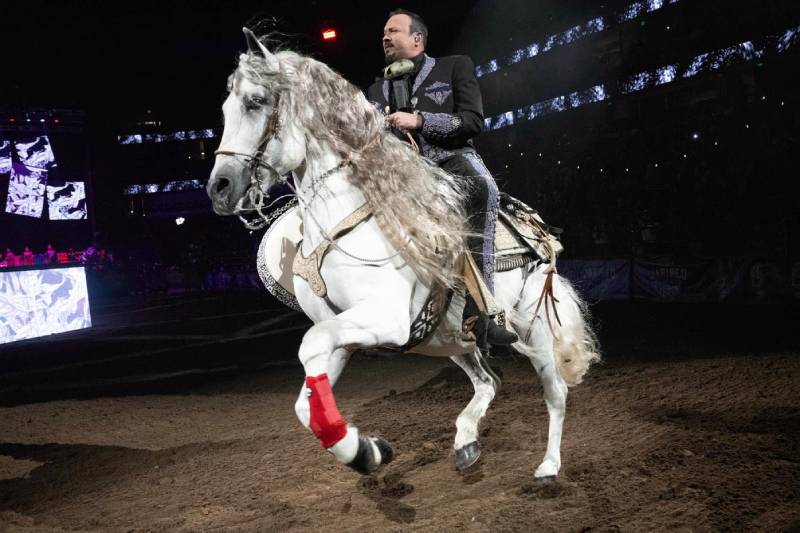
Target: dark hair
{"points": [[417, 24]]}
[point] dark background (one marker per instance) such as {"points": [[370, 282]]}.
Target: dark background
{"points": [[625, 177]]}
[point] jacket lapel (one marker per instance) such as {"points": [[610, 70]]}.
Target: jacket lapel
{"points": [[423, 74]]}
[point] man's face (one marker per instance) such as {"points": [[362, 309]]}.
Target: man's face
{"points": [[398, 41]]}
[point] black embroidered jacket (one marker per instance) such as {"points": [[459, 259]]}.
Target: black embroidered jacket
{"points": [[446, 93]]}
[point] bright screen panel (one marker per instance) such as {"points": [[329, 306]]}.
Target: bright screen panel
{"points": [[34, 303], [26, 189], [5, 156], [35, 152], [67, 202]]}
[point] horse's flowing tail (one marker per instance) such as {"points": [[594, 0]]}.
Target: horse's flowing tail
{"points": [[574, 344], [562, 334]]}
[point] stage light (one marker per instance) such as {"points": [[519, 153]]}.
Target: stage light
{"points": [[656, 165], [27, 120], [12, 119], [328, 34], [179, 221], [41, 120], [56, 121], [627, 170], [685, 156], [601, 170], [695, 136]]}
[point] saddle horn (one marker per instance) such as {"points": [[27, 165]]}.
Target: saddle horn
{"points": [[255, 47]]}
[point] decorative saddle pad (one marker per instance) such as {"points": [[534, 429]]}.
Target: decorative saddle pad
{"points": [[276, 252]]}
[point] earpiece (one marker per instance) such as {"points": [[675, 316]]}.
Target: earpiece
{"points": [[416, 39]]}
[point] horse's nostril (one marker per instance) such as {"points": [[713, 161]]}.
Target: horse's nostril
{"points": [[222, 184]]}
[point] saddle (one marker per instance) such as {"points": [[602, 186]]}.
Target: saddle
{"points": [[521, 236]]}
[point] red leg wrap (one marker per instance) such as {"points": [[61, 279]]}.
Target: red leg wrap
{"points": [[326, 421]]}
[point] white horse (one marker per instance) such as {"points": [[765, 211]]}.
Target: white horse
{"points": [[363, 285]]}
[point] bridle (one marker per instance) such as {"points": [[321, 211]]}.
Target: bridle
{"points": [[255, 161], [257, 196]]}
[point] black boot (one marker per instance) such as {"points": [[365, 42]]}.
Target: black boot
{"points": [[488, 333], [497, 335]]}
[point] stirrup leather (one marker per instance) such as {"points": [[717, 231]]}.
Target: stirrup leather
{"points": [[473, 280]]}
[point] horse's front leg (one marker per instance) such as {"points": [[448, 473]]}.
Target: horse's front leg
{"points": [[323, 354]]}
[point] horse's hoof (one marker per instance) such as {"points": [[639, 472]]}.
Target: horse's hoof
{"points": [[387, 452], [548, 470], [365, 461], [467, 456]]}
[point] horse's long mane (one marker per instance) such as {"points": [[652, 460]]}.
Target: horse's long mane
{"points": [[417, 205]]}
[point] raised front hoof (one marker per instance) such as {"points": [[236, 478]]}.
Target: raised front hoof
{"points": [[467, 456], [373, 452]]}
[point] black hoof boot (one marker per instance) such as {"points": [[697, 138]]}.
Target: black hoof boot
{"points": [[499, 336], [467, 456], [365, 461]]}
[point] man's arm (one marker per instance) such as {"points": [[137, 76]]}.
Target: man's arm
{"points": [[466, 121]]}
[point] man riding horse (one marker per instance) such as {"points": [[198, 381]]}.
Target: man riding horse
{"points": [[436, 104]]}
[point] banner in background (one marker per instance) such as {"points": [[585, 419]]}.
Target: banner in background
{"points": [[598, 279], [667, 282]]}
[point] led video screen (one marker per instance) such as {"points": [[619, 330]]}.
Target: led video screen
{"points": [[34, 303], [26, 188], [35, 152], [67, 202], [5, 156]]}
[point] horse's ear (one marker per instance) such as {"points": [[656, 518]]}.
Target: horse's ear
{"points": [[255, 47]]}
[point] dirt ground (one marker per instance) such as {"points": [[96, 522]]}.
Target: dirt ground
{"points": [[704, 444]]}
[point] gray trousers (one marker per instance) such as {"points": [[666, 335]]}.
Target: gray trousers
{"points": [[481, 207]]}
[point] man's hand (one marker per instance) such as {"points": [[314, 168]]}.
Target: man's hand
{"points": [[404, 121]]}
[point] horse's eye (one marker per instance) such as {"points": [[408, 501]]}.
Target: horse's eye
{"points": [[254, 102]]}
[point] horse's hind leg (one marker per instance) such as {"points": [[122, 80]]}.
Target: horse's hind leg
{"points": [[485, 385], [540, 352]]}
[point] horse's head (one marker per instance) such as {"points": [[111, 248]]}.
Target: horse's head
{"points": [[259, 144]]}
